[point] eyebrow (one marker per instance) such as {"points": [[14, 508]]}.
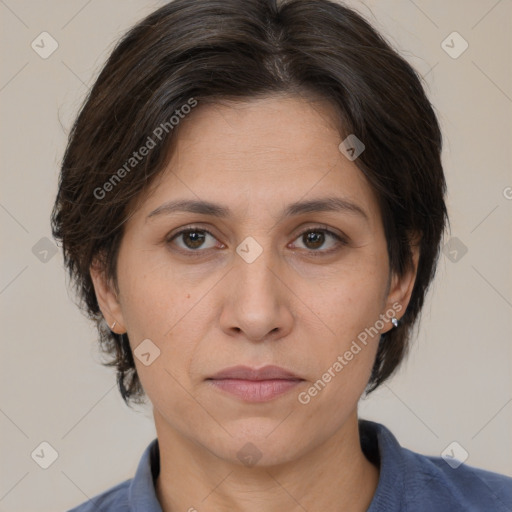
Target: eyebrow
{"points": [[325, 204]]}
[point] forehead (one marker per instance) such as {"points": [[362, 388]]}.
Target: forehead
{"points": [[259, 134], [261, 154]]}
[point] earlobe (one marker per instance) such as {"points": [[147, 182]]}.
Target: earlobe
{"points": [[401, 288], [107, 298]]}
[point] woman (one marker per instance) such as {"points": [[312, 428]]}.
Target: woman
{"points": [[251, 206]]}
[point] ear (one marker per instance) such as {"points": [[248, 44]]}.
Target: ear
{"points": [[400, 289], [107, 297]]}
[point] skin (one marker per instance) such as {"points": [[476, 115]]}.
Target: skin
{"points": [[206, 309]]}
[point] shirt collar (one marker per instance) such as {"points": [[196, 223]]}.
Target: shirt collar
{"points": [[142, 493], [381, 447]]}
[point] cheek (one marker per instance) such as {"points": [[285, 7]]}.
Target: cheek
{"points": [[349, 299], [165, 305], [349, 307], [170, 314], [165, 317], [150, 293], [146, 306], [152, 304]]}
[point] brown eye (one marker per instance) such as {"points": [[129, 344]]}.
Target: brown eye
{"points": [[192, 239], [313, 239]]}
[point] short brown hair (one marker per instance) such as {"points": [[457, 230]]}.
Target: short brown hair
{"points": [[241, 49]]}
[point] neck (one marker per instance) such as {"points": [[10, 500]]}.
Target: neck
{"points": [[337, 472]]}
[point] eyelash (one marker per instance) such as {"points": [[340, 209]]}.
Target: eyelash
{"points": [[197, 252]]}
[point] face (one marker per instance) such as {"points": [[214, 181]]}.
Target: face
{"points": [[258, 278]]}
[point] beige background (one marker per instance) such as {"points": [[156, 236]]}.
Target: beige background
{"points": [[455, 386]]}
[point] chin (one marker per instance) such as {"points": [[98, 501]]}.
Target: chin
{"points": [[258, 442]]}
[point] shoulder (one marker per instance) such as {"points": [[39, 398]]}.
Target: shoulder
{"points": [[137, 493], [410, 481], [431, 479], [113, 500]]}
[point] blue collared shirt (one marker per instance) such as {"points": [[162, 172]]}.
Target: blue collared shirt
{"points": [[408, 482]]}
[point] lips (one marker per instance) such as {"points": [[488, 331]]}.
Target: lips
{"points": [[255, 385], [247, 373]]}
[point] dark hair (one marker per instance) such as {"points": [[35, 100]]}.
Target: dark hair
{"points": [[193, 50]]}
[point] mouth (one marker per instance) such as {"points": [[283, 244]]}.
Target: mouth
{"points": [[255, 385]]}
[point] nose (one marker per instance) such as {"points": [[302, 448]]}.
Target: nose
{"points": [[257, 302]]}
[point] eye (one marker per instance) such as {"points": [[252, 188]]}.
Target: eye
{"points": [[315, 238], [192, 239]]}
